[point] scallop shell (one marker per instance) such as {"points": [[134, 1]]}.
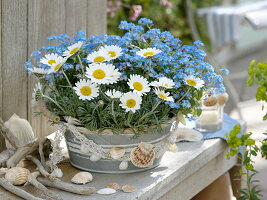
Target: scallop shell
{"points": [[21, 128], [188, 134], [114, 186], [95, 158], [116, 153], [17, 175], [123, 165], [106, 191], [210, 101], [128, 188], [82, 178], [222, 98], [143, 155]]}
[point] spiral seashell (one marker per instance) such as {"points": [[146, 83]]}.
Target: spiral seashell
{"points": [[222, 98], [82, 178], [128, 188], [116, 153], [123, 165], [143, 155], [95, 158], [17, 175], [210, 101], [114, 186]]}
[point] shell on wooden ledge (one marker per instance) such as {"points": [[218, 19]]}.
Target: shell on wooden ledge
{"points": [[114, 186], [116, 153], [106, 191], [128, 188], [17, 175], [82, 178], [143, 155], [21, 128], [188, 134]]}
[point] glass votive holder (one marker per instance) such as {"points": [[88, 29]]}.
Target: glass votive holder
{"points": [[211, 118]]}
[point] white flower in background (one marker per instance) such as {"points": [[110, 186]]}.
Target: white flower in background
{"points": [[148, 52], [73, 49], [164, 95], [102, 73], [58, 64], [113, 94], [194, 81], [37, 93], [139, 84], [50, 59], [163, 82], [131, 101], [86, 90], [112, 50], [38, 70], [98, 56]]}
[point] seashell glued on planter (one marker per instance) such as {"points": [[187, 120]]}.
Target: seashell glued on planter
{"points": [[116, 153], [143, 155], [123, 165], [17, 175], [82, 178], [106, 191]]}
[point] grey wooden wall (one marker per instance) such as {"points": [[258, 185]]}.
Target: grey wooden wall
{"points": [[24, 27]]}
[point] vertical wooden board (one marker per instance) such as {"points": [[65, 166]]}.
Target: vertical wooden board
{"points": [[76, 16], [96, 17], [45, 18], [14, 54]]}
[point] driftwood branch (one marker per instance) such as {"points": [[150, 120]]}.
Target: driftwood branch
{"points": [[69, 187], [41, 168], [5, 155], [32, 180], [41, 153], [17, 191]]}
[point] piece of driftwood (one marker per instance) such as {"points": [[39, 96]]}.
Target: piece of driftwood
{"points": [[32, 180], [69, 187], [5, 155], [41, 153], [40, 167], [17, 191]]}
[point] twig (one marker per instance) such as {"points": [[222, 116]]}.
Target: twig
{"points": [[17, 191], [32, 180], [5, 155], [69, 187]]}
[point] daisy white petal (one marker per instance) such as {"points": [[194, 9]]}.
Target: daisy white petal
{"points": [[58, 64], [163, 82], [50, 59], [163, 95], [139, 84], [112, 50], [86, 90], [38, 70], [114, 94], [98, 56], [194, 81], [73, 49], [131, 101], [148, 52]]}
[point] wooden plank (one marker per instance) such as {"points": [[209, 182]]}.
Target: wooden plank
{"points": [[97, 17], [14, 44], [45, 18], [76, 16], [2, 141]]}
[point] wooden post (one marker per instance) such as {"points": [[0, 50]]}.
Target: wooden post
{"points": [[24, 27]]}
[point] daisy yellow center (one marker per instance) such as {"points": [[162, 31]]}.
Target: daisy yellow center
{"points": [[138, 86], [166, 85], [149, 54], [162, 96], [191, 82], [56, 68], [99, 74], [112, 54], [51, 61], [99, 59], [73, 51], [130, 103], [86, 91]]}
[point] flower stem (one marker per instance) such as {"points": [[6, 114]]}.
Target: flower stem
{"points": [[112, 112], [82, 67], [183, 96], [152, 110], [67, 78], [52, 100]]}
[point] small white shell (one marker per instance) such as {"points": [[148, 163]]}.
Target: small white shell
{"points": [[172, 147], [128, 188], [84, 149], [106, 191], [82, 178], [95, 158], [17, 175], [123, 165], [21, 128], [117, 153], [188, 134], [57, 173]]}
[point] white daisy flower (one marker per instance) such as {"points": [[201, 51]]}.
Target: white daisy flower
{"points": [[38, 70], [112, 50], [114, 94], [139, 84], [50, 59], [102, 73], [131, 101], [163, 95], [98, 56], [86, 90], [163, 82], [148, 52], [58, 64], [73, 49], [194, 81]]}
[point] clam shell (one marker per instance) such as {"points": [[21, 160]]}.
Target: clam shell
{"points": [[188, 134], [21, 128], [116, 153], [82, 178], [128, 188], [114, 186], [143, 155], [17, 175], [106, 191], [210, 101], [123, 165]]}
